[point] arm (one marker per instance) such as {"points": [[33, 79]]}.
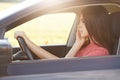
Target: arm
{"points": [[41, 53], [77, 45]]}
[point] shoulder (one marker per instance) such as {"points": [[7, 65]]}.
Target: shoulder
{"points": [[97, 51]]}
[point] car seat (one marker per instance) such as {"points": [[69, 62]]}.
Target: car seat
{"points": [[116, 31]]}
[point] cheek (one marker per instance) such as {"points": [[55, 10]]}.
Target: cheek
{"points": [[86, 35], [82, 29], [85, 32]]}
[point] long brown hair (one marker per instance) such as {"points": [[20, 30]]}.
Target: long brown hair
{"points": [[98, 24]]}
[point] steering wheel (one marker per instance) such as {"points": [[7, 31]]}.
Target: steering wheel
{"points": [[24, 47]]}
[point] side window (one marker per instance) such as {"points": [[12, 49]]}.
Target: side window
{"points": [[47, 29]]}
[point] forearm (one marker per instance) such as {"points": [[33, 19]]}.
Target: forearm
{"points": [[41, 53], [75, 48]]}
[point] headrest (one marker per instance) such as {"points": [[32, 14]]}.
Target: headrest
{"points": [[116, 23]]}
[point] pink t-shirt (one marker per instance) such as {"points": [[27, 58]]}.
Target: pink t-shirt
{"points": [[92, 50]]}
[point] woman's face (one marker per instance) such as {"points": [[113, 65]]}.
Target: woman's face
{"points": [[82, 28]]}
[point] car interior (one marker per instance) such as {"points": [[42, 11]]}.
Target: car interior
{"points": [[56, 50], [23, 67]]}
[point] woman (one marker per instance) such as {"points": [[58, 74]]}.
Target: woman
{"points": [[93, 36]]}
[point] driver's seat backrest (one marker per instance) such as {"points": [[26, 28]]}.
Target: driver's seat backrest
{"points": [[116, 31]]}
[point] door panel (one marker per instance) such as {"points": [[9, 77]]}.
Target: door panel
{"points": [[58, 50]]}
